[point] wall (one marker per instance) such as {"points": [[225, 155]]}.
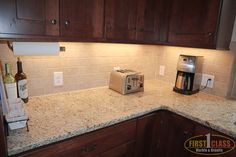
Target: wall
{"points": [[87, 65], [84, 65], [234, 31]]}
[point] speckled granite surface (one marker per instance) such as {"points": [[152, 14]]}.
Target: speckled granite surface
{"points": [[60, 116]]}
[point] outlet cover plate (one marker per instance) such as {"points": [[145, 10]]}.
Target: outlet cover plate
{"points": [[162, 70], [205, 77], [58, 78]]}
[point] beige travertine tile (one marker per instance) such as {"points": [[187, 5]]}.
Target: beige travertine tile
{"points": [[87, 65]]}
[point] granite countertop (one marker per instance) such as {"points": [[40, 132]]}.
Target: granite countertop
{"points": [[60, 116]]}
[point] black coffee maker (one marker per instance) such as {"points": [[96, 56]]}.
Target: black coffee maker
{"points": [[189, 74]]}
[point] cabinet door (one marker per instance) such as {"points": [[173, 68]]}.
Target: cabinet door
{"points": [[120, 20], [149, 20], [145, 136], [3, 144], [125, 150], [82, 19], [194, 23], [29, 17], [171, 132]]}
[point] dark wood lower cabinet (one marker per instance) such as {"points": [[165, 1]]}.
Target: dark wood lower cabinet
{"points": [[171, 131], [145, 135], [163, 135], [108, 140], [3, 144], [125, 150]]}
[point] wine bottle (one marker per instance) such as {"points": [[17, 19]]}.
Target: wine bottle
{"points": [[21, 81], [10, 83]]}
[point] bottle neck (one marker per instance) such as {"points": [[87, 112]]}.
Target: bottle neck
{"points": [[19, 67]]}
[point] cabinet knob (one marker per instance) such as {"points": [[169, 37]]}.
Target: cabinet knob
{"points": [[53, 21], [210, 34], [67, 23]]}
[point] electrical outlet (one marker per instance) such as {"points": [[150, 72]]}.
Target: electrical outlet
{"points": [[205, 77], [162, 70], [58, 78]]}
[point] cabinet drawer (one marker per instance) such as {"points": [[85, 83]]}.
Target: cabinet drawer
{"points": [[125, 150], [89, 144]]}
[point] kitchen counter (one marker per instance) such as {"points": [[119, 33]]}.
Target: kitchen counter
{"points": [[60, 116]]}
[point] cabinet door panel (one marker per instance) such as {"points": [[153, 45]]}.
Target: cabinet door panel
{"points": [[145, 135], [120, 20], [194, 23], [149, 20], [29, 17], [171, 132], [3, 144], [82, 18]]}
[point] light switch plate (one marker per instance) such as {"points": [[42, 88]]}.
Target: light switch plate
{"points": [[58, 78], [205, 77], [162, 70]]}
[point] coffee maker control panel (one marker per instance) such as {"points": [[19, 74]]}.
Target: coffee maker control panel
{"points": [[187, 64]]}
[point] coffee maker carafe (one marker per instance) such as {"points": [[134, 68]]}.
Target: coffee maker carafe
{"points": [[189, 74]]}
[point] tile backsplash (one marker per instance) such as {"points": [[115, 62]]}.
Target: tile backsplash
{"points": [[87, 65], [84, 65]]}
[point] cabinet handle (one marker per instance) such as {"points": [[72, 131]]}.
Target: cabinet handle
{"points": [[210, 34], [67, 23], [88, 149], [53, 21]]}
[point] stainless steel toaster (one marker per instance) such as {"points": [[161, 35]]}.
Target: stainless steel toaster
{"points": [[126, 81]]}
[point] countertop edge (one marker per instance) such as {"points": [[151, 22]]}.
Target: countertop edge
{"points": [[95, 127]]}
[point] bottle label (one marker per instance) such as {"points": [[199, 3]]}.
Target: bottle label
{"points": [[22, 89], [11, 91]]}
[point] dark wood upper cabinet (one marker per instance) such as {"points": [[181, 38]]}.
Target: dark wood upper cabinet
{"points": [[82, 19], [194, 23], [29, 17], [137, 21], [120, 20], [190, 23], [149, 14]]}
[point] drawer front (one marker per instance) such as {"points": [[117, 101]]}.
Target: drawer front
{"points": [[125, 150], [89, 144]]}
